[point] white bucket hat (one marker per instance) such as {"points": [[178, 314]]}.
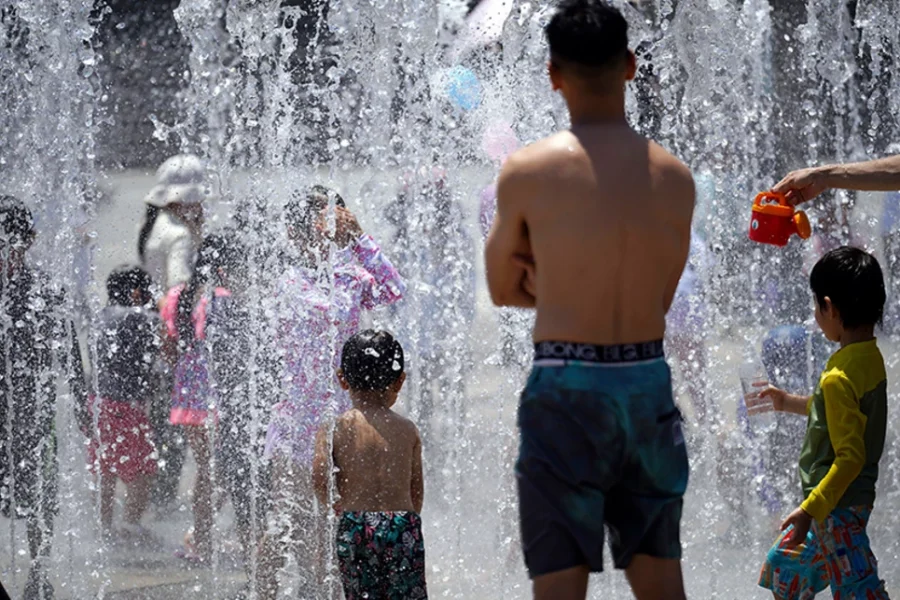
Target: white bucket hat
{"points": [[179, 180]]}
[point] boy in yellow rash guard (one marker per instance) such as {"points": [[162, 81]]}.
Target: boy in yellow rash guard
{"points": [[824, 541]]}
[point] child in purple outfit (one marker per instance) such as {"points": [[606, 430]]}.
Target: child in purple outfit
{"points": [[320, 300]]}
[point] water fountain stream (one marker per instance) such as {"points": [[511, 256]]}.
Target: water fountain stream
{"points": [[372, 98]]}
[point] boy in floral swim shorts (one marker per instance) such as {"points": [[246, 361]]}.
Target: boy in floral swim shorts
{"points": [[824, 540], [377, 457]]}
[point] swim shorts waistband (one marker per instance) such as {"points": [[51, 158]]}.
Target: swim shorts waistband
{"points": [[550, 353]]}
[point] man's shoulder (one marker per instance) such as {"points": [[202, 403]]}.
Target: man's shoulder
{"points": [[533, 167], [537, 156], [670, 169]]}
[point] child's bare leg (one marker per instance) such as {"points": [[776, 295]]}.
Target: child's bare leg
{"points": [[107, 498], [137, 498], [655, 578], [568, 584], [283, 529], [198, 438], [269, 561]]}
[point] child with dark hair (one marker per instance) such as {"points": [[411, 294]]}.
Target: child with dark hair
{"points": [[824, 540], [377, 457], [128, 346]]}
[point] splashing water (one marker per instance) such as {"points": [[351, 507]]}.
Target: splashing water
{"points": [[407, 110]]}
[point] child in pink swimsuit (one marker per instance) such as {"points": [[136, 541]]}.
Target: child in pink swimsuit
{"points": [[184, 314]]}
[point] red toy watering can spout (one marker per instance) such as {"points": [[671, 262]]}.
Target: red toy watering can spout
{"points": [[773, 220]]}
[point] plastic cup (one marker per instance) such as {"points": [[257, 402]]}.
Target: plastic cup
{"points": [[753, 381]]}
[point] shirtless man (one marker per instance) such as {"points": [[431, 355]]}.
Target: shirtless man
{"points": [[377, 456], [593, 229]]}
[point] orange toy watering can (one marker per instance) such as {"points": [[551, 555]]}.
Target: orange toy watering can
{"points": [[774, 221]]}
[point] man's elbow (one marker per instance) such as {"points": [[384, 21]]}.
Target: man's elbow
{"points": [[499, 297], [512, 299]]}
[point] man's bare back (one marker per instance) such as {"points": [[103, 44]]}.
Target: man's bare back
{"points": [[607, 215], [379, 460]]}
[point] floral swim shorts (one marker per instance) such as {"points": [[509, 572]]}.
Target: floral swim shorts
{"points": [[836, 553], [382, 555]]}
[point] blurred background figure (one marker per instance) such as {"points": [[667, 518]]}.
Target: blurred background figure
{"points": [[435, 254], [128, 347], [193, 405], [40, 351], [167, 246], [687, 329]]}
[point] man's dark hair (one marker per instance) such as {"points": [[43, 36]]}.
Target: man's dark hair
{"points": [[122, 282], [588, 33], [852, 279], [301, 211], [16, 221], [372, 361]]}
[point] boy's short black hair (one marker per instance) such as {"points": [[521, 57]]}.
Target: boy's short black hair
{"points": [[372, 361], [16, 221], [589, 33], [852, 279], [122, 282], [302, 210]]}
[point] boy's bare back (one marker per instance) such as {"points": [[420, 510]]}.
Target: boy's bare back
{"points": [[607, 215], [378, 455]]}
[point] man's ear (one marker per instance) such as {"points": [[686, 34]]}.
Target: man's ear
{"points": [[555, 76], [342, 381], [630, 66]]}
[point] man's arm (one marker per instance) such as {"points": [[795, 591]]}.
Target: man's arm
{"points": [[508, 238], [880, 175], [686, 194]]}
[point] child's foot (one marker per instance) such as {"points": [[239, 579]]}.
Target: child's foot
{"points": [[192, 558], [139, 536]]}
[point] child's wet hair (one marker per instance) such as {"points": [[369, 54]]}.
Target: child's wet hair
{"points": [[306, 204], [372, 361], [853, 280], [122, 282]]}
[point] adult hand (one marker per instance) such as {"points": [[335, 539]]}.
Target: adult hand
{"points": [[802, 185], [529, 284], [802, 521], [346, 227]]}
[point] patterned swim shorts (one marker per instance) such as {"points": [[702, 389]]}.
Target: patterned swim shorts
{"points": [[836, 553], [382, 555]]}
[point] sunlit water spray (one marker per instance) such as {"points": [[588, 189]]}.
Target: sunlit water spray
{"points": [[380, 100]]}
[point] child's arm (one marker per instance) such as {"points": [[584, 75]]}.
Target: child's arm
{"points": [[322, 465], [417, 485], [384, 286], [846, 429], [774, 398]]}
